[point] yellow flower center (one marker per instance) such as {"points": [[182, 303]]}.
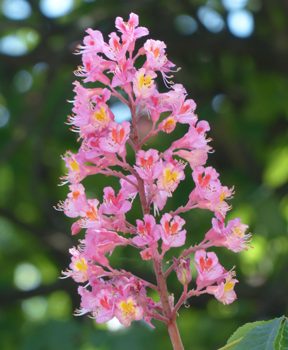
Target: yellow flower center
{"points": [[74, 165], [169, 124], [238, 232], [127, 307], [228, 286], [145, 81], [81, 265], [101, 116], [170, 176], [222, 196]]}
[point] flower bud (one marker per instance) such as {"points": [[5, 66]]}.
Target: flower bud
{"points": [[183, 271]]}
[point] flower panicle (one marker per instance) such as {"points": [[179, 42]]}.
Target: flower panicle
{"points": [[154, 177]]}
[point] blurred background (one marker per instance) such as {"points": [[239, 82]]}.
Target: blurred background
{"points": [[234, 59]]}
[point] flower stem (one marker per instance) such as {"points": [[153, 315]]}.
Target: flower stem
{"points": [[167, 311], [169, 316], [175, 335]]}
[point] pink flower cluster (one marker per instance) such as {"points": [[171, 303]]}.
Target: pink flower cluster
{"points": [[153, 176]]}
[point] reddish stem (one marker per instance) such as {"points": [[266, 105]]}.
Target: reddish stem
{"points": [[164, 297], [168, 315]]}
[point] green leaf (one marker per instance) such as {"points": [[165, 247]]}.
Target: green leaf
{"points": [[243, 330], [261, 335], [282, 337]]}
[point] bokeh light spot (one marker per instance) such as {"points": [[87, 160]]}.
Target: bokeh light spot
{"points": [[114, 325], [240, 23], [276, 172], [4, 116], [56, 8], [211, 19], [231, 5], [121, 111], [23, 81], [26, 277], [217, 102], [16, 9], [20, 42], [186, 25], [35, 308], [12, 45]]}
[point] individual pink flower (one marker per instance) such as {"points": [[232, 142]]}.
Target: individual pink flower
{"points": [[104, 308], [236, 238], [147, 231], [78, 267], [116, 139], [129, 186], [127, 310], [224, 292], [146, 164], [170, 176], [114, 204], [130, 30], [196, 157], [168, 125], [93, 42], [171, 231], [124, 74], [193, 139], [116, 50], [90, 215], [143, 84], [97, 243], [88, 301], [208, 268], [232, 236], [94, 68], [101, 117], [75, 201], [158, 198], [156, 58], [77, 171]]}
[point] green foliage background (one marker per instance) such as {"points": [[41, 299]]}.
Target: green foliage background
{"points": [[241, 88]]}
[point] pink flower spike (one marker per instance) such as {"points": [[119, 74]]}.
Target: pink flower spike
{"points": [[117, 73], [171, 232]]}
